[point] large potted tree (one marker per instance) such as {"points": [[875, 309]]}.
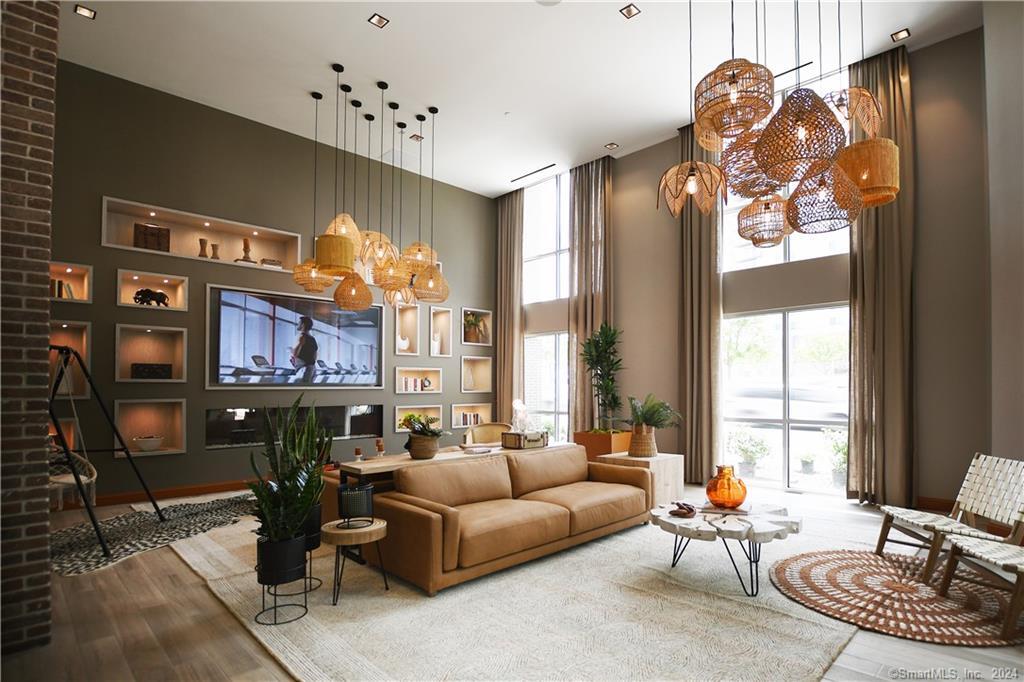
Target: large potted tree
{"points": [[600, 353], [288, 498]]}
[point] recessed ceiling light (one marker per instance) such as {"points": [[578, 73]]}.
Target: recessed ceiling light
{"points": [[149, 331], [152, 214], [629, 11], [612, 145], [63, 326], [206, 224], [255, 233], [84, 11], [68, 270], [379, 21], [135, 276], [899, 35], [167, 281], [416, 137]]}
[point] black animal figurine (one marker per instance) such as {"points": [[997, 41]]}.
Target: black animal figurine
{"points": [[150, 297]]}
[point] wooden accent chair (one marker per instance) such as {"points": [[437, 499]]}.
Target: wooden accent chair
{"points": [[485, 433], [993, 489], [1002, 555]]}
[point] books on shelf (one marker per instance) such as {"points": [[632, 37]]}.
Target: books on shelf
{"points": [[469, 418], [61, 289], [416, 385]]}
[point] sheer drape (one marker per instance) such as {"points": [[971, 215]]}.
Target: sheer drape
{"points": [[590, 274], [699, 321], [508, 329], [881, 452]]}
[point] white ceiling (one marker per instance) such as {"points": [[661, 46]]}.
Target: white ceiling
{"points": [[519, 85]]}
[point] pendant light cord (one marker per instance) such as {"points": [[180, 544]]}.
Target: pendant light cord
{"points": [[344, 158], [369, 151], [433, 141], [796, 33], [316, 128], [380, 167], [337, 111], [839, 33], [757, 34], [732, 25], [355, 159], [419, 193], [821, 59], [401, 182], [693, 95], [393, 175], [862, 30]]}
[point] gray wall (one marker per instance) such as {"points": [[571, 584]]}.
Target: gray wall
{"points": [[120, 139], [951, 282]]}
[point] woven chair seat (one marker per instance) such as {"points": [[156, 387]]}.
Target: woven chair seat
{"points": [[1004, 555], [935, 523]]}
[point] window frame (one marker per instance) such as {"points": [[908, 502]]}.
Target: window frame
{"points": [[556, 413], [561, 249]]}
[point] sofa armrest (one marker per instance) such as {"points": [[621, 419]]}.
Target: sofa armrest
{"points": [[449, 526], [635, 476], [413, 543]]}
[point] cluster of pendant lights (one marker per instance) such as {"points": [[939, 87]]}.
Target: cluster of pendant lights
{"points": [[803, 142], [404, 275]]}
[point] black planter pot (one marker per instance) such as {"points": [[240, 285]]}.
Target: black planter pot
{"points": [[311, 528], [280, 562]]}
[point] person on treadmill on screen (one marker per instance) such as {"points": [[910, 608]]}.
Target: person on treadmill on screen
{"points": [[305, 351]]}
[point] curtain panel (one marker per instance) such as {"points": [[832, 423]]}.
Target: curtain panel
{"points": [[508, 327], [700, 321], [590, 276], [881, 450]]}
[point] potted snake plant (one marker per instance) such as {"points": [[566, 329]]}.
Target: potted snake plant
{"points": [[646, 417], [288, 499], [423, 435]]}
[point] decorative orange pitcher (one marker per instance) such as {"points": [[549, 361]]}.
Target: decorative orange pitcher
{"points": [[725, 490]]}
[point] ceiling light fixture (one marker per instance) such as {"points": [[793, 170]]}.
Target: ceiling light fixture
{"points": [[352, 292], [612, 146], [404, 295], [416, 137], [378, 20], [393, 274], [135, 277], [68, 270], [417, 255], [629, 11], [305, 273], [376, 245], [152, 214], [64, 326], [899, 35], [431, 285], [83, 11], [334, 251], [206, 224]]}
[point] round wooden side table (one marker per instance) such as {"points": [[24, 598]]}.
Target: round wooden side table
{"points": [[342, 537]]}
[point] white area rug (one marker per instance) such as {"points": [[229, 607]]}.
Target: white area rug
{"points": [[611, 609]]}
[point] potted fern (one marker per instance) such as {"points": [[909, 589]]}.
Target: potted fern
{"points": [[600, 353], [423, 435], [646, 417], [288, 499], [474, 327]]}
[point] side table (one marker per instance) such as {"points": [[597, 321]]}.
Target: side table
{"points": [[666, 468], [337, 534]]}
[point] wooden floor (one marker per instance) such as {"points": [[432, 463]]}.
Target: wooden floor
{"points": [[152, 618]]}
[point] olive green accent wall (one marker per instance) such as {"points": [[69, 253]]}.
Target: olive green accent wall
{"points": [[120, 139]]}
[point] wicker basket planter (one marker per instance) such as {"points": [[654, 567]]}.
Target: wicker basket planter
{"points": [[642, 443], [421, 447]]}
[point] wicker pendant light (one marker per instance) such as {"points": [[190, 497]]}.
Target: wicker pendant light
{"points": [[416, 255], [857, 104], [397, 297], [708, 139], [305, 274], [763, 221], [334, 253], [745, 177], [735, 96], [696, 179], [376, 245], [825, 202], [344, 224], [393, 274], [802, 139], [430, 285], [352, 293]]}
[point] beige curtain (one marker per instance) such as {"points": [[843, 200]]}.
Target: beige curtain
{"points": [[508, 327], [881, 453], [590, 268], [699, 327]]}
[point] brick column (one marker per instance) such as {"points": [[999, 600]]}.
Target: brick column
{"points": [[29, 72]]}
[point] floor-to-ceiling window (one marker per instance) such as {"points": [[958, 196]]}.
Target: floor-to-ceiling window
{"points": [[545, 294]]}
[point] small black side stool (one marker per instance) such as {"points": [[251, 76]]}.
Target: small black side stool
{"points": [[342, 537]]}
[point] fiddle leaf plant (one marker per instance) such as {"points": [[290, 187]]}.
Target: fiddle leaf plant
{"points": [[600, 353], [295, 451]]}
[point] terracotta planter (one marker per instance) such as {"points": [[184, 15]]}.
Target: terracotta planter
{"points": [[598, 444], [472, 335], [642, 443], [421, 447]]}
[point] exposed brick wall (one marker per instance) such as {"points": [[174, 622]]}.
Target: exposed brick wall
{"points": [[29, 72]]}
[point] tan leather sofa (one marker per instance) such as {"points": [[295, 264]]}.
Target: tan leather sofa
{"points": [[454, 521]]}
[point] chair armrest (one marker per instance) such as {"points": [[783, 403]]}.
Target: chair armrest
{"points": [[413, 543], [635, 476], [449, 525]]}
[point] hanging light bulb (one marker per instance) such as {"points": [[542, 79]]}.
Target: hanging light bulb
{"points": [[763, 221], [305, 273], [824, 203], [376, 245], [392, 273], [335, 254], [691, 186], [745, 177], [430, 285], [352, 293]]}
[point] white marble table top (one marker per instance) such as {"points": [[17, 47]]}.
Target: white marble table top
{"points": [[763, 523]]}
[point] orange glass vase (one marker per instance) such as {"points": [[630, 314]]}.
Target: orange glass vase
{"points": [[725, 490]]}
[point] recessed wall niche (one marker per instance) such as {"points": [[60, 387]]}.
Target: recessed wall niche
{"points": [[407, 330], [440, 332], [476, 374], [151, 427], [476, 327], [151, 290], [425, 410], [70, 282], [465, 415], [418, 379], [76, 335], [150, 354]]}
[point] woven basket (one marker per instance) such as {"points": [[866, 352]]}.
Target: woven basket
{"points": [[734, 97], [352, 293], [430, 286], [334, 254], [744, 176], [642, 443], [874, 166], [803, 138]]}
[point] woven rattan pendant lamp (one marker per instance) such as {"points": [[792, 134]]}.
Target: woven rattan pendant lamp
{"points": [[763, 221], [708, 139], [872, 164], [376, 245], [344, 224], [335, 252], [352, 293], [736, 95], [803, 138], [418, 255], [430, 285], [698, 179], [745, 176], [305, 274], [825, 202], [392, 274], [403, 295]]}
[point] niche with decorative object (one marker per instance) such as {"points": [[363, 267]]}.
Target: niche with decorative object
{"points": [[70, 282], [150, 354], [418, 379], [476, 374], [476, 327], [465, 415], [151, 427], [407, 330], [152, 290], [440, 332], [425, 410]]}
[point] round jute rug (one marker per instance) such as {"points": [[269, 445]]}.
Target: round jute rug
{"points": [[884, 594]]}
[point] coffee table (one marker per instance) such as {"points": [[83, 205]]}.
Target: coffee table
{"points": [[762, 523]]}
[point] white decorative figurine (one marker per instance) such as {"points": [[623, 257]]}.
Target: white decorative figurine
{"points": [[520, 417]]}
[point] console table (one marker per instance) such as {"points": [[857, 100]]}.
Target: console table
{"points": [[666, 468]]}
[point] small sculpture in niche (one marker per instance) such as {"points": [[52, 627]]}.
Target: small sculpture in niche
{"points": [[215, 251], [202, 247], [426, 383], [150, 297], [245, 253]]}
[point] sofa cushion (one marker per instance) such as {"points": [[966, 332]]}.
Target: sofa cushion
{"points": [[497, 528], [547, 468], [592, 504], [457, 483]]}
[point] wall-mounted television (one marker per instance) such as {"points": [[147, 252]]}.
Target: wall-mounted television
{"points": [[271, 340]]}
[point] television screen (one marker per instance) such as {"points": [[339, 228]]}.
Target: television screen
{"points": [[283, 340]]}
